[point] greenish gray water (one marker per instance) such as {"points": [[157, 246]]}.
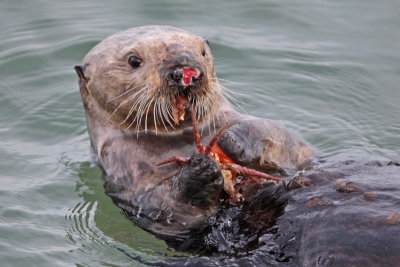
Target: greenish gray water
{"points": [[330, 70]]}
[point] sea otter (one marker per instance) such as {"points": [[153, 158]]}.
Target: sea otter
{"points": [[329, 214], [128, 84]]}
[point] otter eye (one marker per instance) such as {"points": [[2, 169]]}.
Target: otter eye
{"points": [[135, 62], [203, 52]]}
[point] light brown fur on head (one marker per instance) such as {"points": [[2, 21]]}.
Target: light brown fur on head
{"points": [[140, 98]]}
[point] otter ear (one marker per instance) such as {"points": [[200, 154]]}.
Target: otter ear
{"points": [[80, 70]]}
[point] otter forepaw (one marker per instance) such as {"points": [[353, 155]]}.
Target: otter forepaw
{"points": [[201, 181], [242, 143]]}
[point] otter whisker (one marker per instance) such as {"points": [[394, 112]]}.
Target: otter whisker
{"points": [[124, 93], [140, 111], [208, 106], [228, 94], [160, 114], [137, 102], [140, 101], [131, 110], [131, 97], [136, 119], [225, 80], [168, 107], [147, 113], [165, 112], [140, 115], [226, 89], [237, 103], [200, 111], [155, 115], [213, 120], [205, 111], [197, 107]]}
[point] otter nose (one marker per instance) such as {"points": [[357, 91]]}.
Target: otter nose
{"points": [[175, 75], [183, 77]]}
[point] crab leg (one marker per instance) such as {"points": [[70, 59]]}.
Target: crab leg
{"points": [[215, 138], [180, 160], [250, 172], [197, 141], [252, 181]]}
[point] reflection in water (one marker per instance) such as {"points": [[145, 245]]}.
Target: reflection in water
{"points": [[98, 224]]}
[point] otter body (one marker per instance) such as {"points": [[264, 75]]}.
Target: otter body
{"points": [[129, 83]]}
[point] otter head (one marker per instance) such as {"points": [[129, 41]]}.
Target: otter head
{"points": [[136, 75]]}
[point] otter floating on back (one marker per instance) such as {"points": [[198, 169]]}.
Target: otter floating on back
{"points": [[128, 84]]}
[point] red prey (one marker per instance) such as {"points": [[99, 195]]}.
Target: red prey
{"points": [[229, 168]]}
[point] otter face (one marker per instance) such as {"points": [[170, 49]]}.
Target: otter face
{"points": [[135, 75]]}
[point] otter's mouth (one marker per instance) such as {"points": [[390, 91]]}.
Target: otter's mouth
{"points": [[180, 105], [184, 80]]}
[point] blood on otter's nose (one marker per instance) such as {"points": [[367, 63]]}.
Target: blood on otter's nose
{"points": [[184, 78], [188, 74]]}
